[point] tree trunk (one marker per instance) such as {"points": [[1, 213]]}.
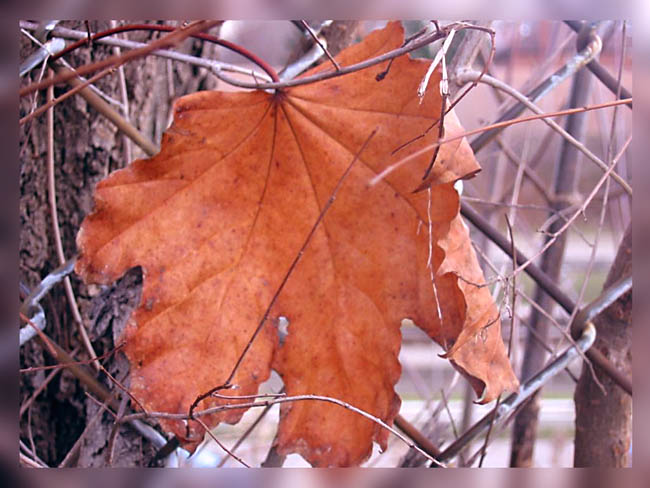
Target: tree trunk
{"points": [[86, 148], [604, 420]]}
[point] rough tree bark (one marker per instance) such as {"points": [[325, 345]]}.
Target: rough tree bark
{"points": [[86, 148], [604, 420]]}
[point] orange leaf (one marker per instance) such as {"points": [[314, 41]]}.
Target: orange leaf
{"points": [[217, 217]]}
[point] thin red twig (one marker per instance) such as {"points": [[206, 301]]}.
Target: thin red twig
{"points": [[168, 28], [505, 123]]}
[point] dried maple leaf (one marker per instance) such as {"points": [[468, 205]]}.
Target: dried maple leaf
{"points": [[217, 217]]}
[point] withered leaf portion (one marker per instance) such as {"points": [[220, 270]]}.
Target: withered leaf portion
{"points": [[216, 218]]}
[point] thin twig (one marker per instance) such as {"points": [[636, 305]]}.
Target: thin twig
{"points": [[470, 75], [250, 397], [446, 109], [55, 352], [246, 433], [320, 44], [123, 388], [65, 360], [586, 54], [511, 215], [416, 435], [444, 96], [30, 435], [610, 159], [511, 338], [27, 450], [53, 52], [534, 161], [111, 114], [579, 212], [547, 316], [525, 391], [40, 388], [125, 102], [407, 40], [447, 409], [104, 404], [273, 401], [487, 436], [214, 438], [552, 353], [513, 284], [69, 93], [521, 206], [519, 177], [547, 284], [610, 156], [112, 437], [532, 176], [506, 123], [48, 50], [525, 263], [198, 35]]}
